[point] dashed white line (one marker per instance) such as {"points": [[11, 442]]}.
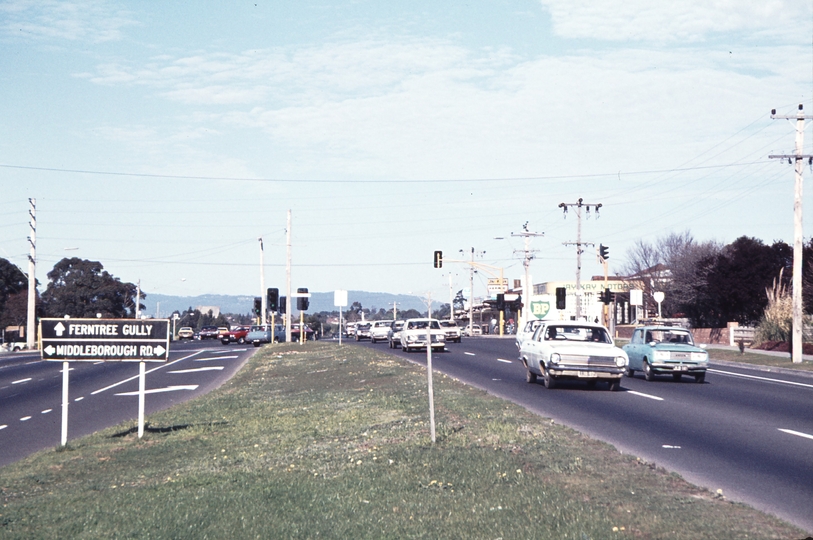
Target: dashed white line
{"points": [[25, 418], [46, 411], [670, 446], [505, 361], [215, 358], [21, 381], [4, 426], [469, 354], [79, 398], [195, 370], [768, 379], [656, 398], [797, 433]]}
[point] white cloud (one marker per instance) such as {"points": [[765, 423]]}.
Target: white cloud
{"points": [[94, 21], [670, 22]]}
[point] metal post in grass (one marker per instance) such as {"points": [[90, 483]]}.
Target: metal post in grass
{"points": [[142, 377], [429, 376], [65, 371]]}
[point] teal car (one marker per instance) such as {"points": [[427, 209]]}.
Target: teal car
{"points": [[666, 350]]}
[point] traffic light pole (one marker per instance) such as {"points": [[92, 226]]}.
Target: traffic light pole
{"points": [[578, 205], [527, 287], [263, 293], [289, 307]]}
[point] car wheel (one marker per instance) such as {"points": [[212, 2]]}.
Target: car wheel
{"points": [[630, 373], [548, 379], [648, 373], [530, 376], [615, 385], [241, 340], [700, 378], [224, 341], [677, 376], [256, 343]]}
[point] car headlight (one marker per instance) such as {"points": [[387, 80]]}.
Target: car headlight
{"points": [[555, 358], [700, 356], [620, 361], [660, 355], [412, 338]]}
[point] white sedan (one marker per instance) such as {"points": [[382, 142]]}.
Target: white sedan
{"points": [[571, 350], [418, 333]]}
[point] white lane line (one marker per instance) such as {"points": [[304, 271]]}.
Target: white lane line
{"points": [[160, 390], [760, 378], [656, 398], [46, 411], [99, 391], [215, 358], [469, 354], [503, 360], [195, 370], [670, 446], [25, 418], [21, 381], [797, 433], [4, 426], [79, 398]]}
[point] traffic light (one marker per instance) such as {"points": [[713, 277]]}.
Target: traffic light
{"points": [[606, 296], [258, 305], [438, 259], [302, 302], [603, 252], [283, 304], [500, 302], [273, 299], [516, 305], [561, 298]]}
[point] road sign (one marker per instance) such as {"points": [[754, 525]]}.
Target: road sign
{"points": [[496, 286], [93, 340], [340, 298]]}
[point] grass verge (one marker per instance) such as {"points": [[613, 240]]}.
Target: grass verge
{"points": [[758, 359], [323, 441]]}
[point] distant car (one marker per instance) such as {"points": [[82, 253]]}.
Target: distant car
{"points": [[350, 329], [474, 330], [666, 350], [415, 332], [259, 334], [221, 331], [238, 335], [394, 333], [379, 330], [309, 333], [363, 330], [208, 332], [186, 332], [562, 350], [453, 332], [527, 331]]}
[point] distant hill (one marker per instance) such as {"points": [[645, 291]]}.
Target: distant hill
{"points": [[320, 301]]}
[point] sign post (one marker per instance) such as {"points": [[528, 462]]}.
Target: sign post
{"points": [[107, 340], [340, 301]]}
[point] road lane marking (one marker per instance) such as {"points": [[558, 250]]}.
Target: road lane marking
{"points": [[656, 398], [25, 418], [760, 378], [797, 433], [21, 381], [4, 426], [469, 353], [670, 446], [79, 398], [46, 411], [503, 360], [195, 370], [160, 390], [134, 377], [215, 358]]}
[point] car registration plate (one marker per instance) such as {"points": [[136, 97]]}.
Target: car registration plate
{"points": [[588, 374], [680, 368]]}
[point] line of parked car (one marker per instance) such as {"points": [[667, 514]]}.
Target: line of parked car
{"points": [[570, 350], [254, 334]]}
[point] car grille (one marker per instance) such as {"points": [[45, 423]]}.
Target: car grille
{"points": [[589, 361]]}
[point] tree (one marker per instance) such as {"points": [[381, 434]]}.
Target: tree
{"points": [[82, 288], [13, 282]]}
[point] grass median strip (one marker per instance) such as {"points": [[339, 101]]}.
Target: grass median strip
{"points": [[329, 441]]}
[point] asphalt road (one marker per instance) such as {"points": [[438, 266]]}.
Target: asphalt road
{"points": [[100, 394], [744, 431]]}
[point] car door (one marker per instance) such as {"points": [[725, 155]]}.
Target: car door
{"points": [[634, 351]]}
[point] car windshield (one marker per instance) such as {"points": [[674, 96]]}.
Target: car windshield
{"points": [[397, 325], [258, 328], [576, 333], [422, 325], [448, 324], [671, 335]]}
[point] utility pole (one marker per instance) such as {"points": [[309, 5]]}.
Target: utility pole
{"points": [[471, 290], [263, 293], [578, 206], [288, 298], [527, 287], [31, 325], [798, 157]]}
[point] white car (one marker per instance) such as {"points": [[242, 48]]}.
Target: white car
{"points": [[473, 330], [380, 330], [453, 332], [527, 331], [420, 333], [572, 350], [394, 333]]}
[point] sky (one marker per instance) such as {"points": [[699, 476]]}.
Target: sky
{"points": [[164, 138]]}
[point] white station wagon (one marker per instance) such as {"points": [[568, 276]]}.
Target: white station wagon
{"points": [[562, 350], [415, 333]]}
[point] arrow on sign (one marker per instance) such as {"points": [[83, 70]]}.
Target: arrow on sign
{"points": [[60, 329], [49, 350], [159, 350]]}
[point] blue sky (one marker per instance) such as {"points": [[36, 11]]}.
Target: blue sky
{"points": [[163, 138]]}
